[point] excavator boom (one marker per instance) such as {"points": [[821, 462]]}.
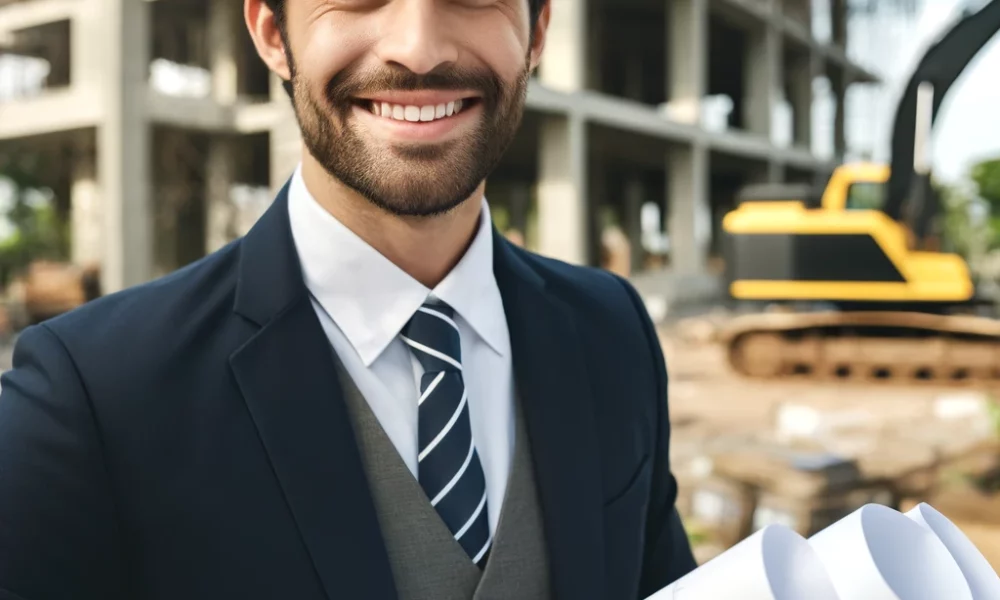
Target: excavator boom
{"points": [[939, 68]]}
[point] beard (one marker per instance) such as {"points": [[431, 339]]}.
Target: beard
{"points": [[419, 180]]}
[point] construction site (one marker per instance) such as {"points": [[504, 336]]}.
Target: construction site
{"points": [[825, 349]]}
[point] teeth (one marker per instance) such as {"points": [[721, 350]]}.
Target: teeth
{"points": [[414, 114]]}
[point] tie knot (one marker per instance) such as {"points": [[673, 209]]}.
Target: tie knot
{"points": [[432, 336]]}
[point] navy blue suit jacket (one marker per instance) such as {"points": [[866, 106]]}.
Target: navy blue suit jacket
{"points": [[187, 439]]}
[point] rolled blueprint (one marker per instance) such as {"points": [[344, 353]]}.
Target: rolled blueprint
{"points": [[774, 563], [982, 579], [877, 553]]}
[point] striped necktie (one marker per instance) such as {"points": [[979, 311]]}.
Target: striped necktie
{"points": [[448, 469]]}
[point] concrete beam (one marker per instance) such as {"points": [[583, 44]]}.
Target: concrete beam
{"points": [[25, 15], [207, 115], [200, 114], [745, 145], [634, 117], [752, 12], [78, 107], [257, 117]]}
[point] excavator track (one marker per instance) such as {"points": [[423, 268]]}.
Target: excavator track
{"points": [[894, 347]]}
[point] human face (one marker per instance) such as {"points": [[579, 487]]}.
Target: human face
{"points": [[411, 103]]}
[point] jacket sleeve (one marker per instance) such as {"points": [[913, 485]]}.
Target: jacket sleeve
{"points": [[58, 535], [667, 556]]}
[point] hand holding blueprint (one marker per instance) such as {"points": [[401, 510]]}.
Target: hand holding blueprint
{"points": [[875, 553]]}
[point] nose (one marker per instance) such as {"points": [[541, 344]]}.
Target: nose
{"points": [[414, 36]]}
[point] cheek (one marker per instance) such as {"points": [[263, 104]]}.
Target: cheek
{"points": [[329, 48], [500, 47]]}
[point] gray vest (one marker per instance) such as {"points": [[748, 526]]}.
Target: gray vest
{"points": [[427, 563]]}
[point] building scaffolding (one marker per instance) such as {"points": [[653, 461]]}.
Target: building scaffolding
{"points": [[172, 135]]}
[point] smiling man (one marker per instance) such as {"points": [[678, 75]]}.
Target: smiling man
{"points": [[373, 395]]}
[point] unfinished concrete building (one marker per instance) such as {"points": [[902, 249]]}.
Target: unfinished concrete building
{"points": [[163, 136]]}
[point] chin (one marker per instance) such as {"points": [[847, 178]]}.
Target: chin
{"points": [[425, 199]]}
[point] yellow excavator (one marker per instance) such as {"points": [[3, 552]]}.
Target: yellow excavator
{"points": [[867, 292]]}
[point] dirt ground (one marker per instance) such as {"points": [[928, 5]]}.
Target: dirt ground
{"points": [[705, 395]]}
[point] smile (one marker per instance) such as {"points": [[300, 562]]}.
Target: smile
{"points": [[414, 114], [420, 116]]}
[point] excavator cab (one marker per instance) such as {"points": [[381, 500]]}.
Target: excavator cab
{"points": [[841, 248]]}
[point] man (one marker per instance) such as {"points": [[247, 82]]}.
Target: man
{"points": [[373, 395]]}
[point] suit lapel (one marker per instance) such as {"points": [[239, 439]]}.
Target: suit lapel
{"points": [[550, 375], [286, 373]]}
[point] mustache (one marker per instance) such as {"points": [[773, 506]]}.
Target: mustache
{"points": [[348, 84]]}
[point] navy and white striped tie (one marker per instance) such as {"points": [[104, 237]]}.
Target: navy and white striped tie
{"points": [[448, 465]]}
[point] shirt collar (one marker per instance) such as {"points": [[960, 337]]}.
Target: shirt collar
{"points": [[370, 298]]}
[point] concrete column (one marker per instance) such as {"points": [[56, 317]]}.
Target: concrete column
{"points": [[124, 146], [764, 79], [224, 48], [87, 52], [838, 16], [86, 218], [839, 82], [689, 218], [564, 64], [687, 55], [801, 76], [635, 195], [563, 223], [220, 217]]}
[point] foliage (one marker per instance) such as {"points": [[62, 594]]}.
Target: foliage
{"points": [[38, 232], [966, 228], [986, 176]]}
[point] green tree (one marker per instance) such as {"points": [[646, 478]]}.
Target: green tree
{"points": [[986, 176], [37, 230], [967, 229]]}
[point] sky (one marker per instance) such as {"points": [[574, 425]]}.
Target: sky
{"points": [[968, 126]]}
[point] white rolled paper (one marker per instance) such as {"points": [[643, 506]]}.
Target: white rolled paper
{"points": [[982, 579], [877, 553], [774, 563]]}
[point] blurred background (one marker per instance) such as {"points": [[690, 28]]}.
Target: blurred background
{"points": [[821, 261]]}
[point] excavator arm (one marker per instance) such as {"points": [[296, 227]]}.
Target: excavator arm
{"points": [[910, 197]]}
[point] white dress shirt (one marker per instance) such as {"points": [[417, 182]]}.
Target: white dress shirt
{"points": [[365, 300]]}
